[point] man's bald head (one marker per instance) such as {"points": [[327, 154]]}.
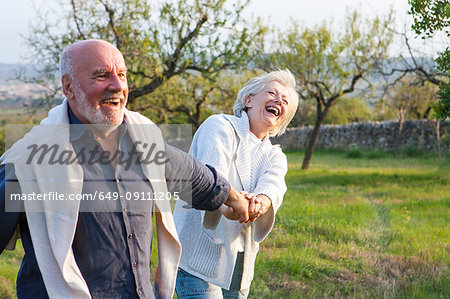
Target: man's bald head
{"points": [[72, 54], [94, 81]]}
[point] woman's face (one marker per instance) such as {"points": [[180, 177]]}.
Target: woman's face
{"points": [[267, 108]]}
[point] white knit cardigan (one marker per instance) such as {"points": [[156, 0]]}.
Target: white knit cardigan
{"points": [[53, 228], [209, 241]]}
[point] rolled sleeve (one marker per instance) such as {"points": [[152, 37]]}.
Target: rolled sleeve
{"points": [[198, 184], [8, 220]]}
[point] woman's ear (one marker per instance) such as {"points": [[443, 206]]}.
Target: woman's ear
{"points": [[248, 101]]}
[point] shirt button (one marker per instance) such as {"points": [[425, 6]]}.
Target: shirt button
{"points": [[117, 181], [134, 264], [130, 236], [125, 209], [140, 292]]}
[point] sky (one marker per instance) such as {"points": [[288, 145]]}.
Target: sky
{"points": [[15, 16]]}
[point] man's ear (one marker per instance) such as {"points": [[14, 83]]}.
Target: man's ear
{"points": [[67, 85], [248, 101]]}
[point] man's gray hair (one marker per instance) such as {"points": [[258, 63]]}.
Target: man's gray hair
{"points": [[255, 85], [65, 63]]}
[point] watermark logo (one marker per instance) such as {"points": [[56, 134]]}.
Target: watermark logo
{"points": [[53, 154]]}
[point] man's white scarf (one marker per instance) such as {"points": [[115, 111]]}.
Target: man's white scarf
{"points": [[52, 231]]}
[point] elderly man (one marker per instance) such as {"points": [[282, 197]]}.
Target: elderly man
{"points": [[99, 248]]}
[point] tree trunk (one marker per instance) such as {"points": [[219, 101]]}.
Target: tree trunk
{"points": [[438, 138], [312, 141], [399, 135]]}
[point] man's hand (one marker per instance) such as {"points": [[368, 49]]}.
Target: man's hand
{"points": [[237, 207]]}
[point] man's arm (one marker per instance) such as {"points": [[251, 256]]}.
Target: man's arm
{"points": [[201, 185], [8, 220]]}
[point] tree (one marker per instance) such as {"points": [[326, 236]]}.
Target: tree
{"points": [[431, 16], [329, 65], [191, 97], [159, 42], [409, 97], [349, 110]]}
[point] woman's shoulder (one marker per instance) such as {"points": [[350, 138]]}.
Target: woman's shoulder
{"points": [[217, 121], [274, 150]]}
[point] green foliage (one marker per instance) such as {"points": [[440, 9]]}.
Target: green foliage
{"points": [[410, 99], [432, 16], [328, 64], [191, 98], [354, 153], [160, 40], [442, 108], [349, 110]]}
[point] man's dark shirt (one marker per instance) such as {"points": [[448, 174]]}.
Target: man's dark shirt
{"points": [[113, 249]]}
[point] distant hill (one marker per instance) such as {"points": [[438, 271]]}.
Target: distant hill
{"points": [[13, 92], [9, 72]]}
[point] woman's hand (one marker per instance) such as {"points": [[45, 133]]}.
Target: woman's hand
{"points": [[258, 205]]}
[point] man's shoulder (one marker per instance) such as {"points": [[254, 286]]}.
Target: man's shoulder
{"points": [[43, 135], [134, 117]]}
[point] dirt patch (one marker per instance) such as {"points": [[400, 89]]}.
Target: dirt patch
{"points": [[346, 276], [396, 267], [288, 285], [294, 285]]}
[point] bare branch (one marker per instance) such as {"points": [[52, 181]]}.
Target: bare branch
{"points": [[75, 17], [112, 25]]}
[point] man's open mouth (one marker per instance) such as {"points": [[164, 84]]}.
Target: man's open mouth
{"points": [[111, 102]]}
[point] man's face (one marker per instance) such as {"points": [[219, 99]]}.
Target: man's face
{"points": [[100, 88]]}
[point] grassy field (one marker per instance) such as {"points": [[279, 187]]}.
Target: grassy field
{"points": [[367, 227], [355, 225]]}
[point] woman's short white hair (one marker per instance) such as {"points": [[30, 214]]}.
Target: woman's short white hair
{"points": [[255, 85]]}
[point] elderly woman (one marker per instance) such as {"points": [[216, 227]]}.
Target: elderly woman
{"points": [[219, 254]]}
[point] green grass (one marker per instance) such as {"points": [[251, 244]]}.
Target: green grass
{"points": [[361, 225], [9, 267]]}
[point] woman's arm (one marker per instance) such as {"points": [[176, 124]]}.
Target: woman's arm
{"points": [[214, 144], [270, 186]]}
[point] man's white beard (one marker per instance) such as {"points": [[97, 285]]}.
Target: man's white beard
{"points": [[95, 116]]}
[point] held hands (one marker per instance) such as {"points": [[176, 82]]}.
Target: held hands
{"points": [[236, 206], [256, 206]]}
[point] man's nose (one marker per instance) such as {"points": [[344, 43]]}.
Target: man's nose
{"points": [[117, 83]]}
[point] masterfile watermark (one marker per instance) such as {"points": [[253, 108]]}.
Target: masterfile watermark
{"points": [[97, 195], [69, 167], [53, 154]]}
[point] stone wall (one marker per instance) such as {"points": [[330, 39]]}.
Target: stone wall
{"points": [[417, 134]]}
